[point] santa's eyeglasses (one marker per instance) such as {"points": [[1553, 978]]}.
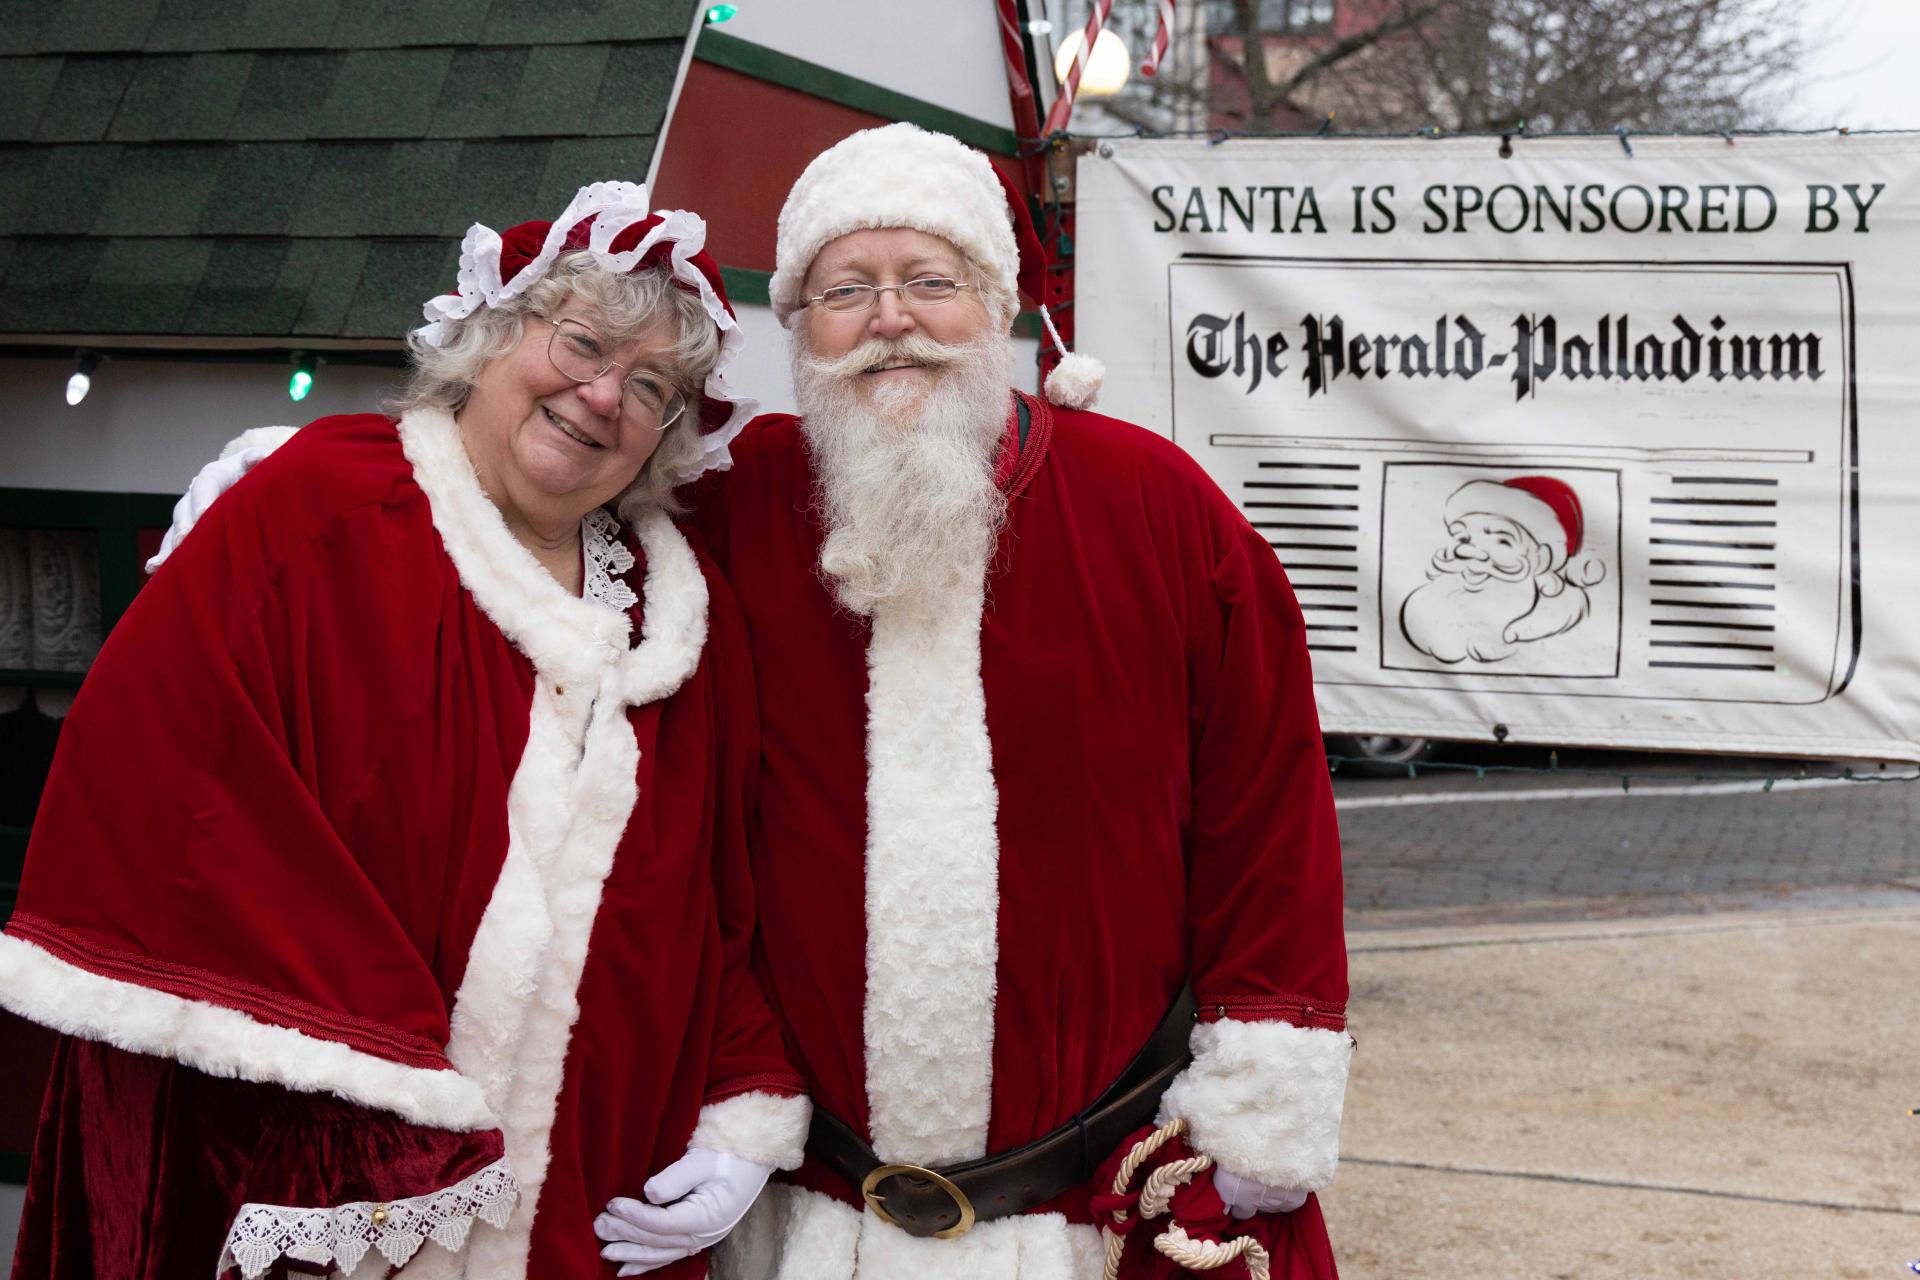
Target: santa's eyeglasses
{"points": [[927, 291]]}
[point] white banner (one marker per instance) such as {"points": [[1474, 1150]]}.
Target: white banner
{"points": [[1565, 446]]}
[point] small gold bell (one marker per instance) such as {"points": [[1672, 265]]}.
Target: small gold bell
{"points": [[380, 1216]]}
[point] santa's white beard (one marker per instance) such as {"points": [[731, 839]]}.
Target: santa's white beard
{"points": [[1452, 620], [904, 477]]}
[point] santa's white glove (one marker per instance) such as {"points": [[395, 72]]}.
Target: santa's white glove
{"points": [[214, 479], [1244, 1197], [695, 1201]]}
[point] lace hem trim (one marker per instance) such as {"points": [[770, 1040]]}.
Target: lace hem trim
{"points": [[262, 1234], [606, 557]]}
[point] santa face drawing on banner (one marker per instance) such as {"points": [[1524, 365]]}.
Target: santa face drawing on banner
{"points": [[1512, 573]]}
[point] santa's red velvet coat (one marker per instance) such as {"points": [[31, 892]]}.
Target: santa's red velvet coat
{"points": [[995, 836], [374, 864]]}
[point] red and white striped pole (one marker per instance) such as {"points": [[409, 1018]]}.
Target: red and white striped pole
{"points": [[1026, 117], [1062, 108], [1161, 38]]}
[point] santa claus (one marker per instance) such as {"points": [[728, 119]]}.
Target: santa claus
{"points": [[1512, 573]]}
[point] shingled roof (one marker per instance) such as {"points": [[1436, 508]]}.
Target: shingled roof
{"points": [[299, 168]]}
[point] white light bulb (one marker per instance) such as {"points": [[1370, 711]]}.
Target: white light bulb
{"points": [[1107, 68], [77, 387]]}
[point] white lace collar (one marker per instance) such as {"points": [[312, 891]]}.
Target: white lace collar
{"points": [[606, 556]]}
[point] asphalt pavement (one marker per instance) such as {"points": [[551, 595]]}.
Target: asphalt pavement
{"points": [[1669, 1030]]}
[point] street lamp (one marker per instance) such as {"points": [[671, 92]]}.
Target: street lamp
{"points": [[1106, 71]]}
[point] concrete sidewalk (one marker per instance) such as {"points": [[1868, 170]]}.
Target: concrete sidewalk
{"points": [[1705, 1096]]}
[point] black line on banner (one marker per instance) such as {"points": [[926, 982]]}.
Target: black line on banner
{"points": [[1720, 524], [1708, 644], [1715, 564], [1708, 542], [1725, 586], [1279, 484], [1714, 624], [1717, 666]]}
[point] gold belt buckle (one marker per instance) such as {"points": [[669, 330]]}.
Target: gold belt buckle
{"points": [[877, 1202]]}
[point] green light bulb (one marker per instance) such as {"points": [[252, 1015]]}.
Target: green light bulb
{"points": [[299, 384], [721, 12]]}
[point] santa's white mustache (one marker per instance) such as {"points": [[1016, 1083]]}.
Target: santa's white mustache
{"points": [[1449, 560], [878, 353]]}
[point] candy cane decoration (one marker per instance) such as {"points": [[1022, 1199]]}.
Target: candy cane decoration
{"points": [[1063, 105], [1161, 37], [1018, 86]]}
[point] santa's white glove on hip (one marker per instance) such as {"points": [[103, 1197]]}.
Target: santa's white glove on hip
{"points": [[214, 479], [695, 1201], [1244, 1197]]}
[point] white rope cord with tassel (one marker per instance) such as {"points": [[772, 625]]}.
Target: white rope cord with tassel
{"points": [[1155, 1198]]}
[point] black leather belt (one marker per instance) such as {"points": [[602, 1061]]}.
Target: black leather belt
{"points": [[945, 1202]]}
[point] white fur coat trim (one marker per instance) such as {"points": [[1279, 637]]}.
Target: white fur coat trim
{"points": [[43, 988], [933, 885], [762, 1127], [795, 1234], [567, 807], [1264, 1099], [566, 636]]}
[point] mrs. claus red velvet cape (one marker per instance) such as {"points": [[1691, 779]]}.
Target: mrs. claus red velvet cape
{"points": [[358, 805], [993, 838]]}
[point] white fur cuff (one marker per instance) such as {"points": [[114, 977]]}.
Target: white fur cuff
{"points": [[1263, 1099], [762, 1127]]}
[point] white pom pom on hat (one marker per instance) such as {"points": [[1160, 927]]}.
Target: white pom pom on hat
{"points": [[901, 175]]}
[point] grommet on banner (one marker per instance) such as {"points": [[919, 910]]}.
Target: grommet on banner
{"points": [[1620, 131], [1219, 136], [1326, 126], [1728, 135], [1506, 146]]}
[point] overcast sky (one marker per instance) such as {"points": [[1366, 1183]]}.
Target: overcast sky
{"points": [[1868, 73]]}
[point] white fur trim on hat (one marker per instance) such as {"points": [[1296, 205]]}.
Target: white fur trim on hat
{"points": [[1495, 498], [898, 175]]}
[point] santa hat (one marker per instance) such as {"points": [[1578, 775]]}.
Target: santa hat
{"points": [[1547, 508], [901, 175], [611, 221]]}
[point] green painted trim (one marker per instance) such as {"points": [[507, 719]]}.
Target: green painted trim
{"points": [[1027, 325], [747, 287], [19, 677], [115, 517], [762, 63]]}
